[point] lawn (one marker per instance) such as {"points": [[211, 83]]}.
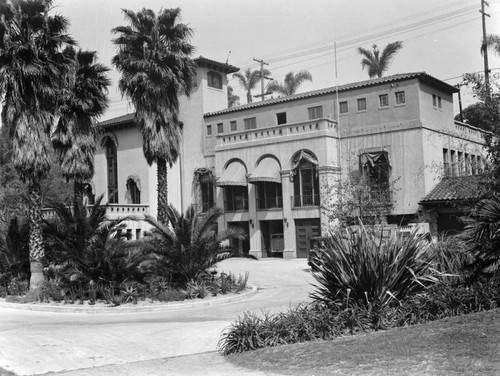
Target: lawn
{"points": [[464, 345]]}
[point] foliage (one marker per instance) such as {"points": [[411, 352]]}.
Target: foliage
{"points": [[482, 234], [480, 115], [232, 99], [249, 80], [377, 63], [14, 251], [362, 267], [291, 84], [357, 198], [88, 247], [188, 246]]}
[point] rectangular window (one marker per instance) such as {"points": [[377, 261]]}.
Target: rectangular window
{"points": [[234, 127], [361, 104], [343, 107], [436, 101], [207, 194], [446, 163], [439, 102], [383, 100], [235, 198], [220, 128], [400, 97], [209, 130], [281, 118], [269, 196], [315, 112], [250, 123]]}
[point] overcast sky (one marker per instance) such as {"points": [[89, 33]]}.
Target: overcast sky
{"points": [[441, 37]]}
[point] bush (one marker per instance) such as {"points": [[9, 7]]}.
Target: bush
{"points": [[360, 267]]}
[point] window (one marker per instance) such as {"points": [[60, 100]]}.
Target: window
{"points": [[209, 130], [220, 128], [305, 179], [315, 112], [376, 169], [214, 80], [235, 198], [281, 118], [269, 196], [343, 107], [400, 97], [207, 191], [383, 100], [133, 192], [436, 101], [446, 163], [361, 104], [112, 170], [234, 127], [89, 196], [250, 123]]}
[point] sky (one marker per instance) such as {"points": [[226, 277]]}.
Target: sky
{"points": [[440, 37]]}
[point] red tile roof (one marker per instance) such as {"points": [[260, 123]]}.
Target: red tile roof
{"points": [[454, 189], [120, 120], [422, 76], [224, 67]]}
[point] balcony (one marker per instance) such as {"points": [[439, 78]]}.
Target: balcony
{"points": [[270, 203], [113, 211], [304, 201], [267, 134]]}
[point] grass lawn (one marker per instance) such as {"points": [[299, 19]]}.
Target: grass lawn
{"points": [[464, 345]]}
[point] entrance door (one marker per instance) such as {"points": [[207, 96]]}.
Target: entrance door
{"points": [[306, 230]]}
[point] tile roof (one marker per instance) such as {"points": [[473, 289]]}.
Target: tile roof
{"points": [[331, 90], [453, 189], [226, 68], [120, 120]]}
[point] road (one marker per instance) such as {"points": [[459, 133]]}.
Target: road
{"points": [[181, 341]]}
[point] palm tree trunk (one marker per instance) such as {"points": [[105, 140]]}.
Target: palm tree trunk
{"points": [[36, 246], [162, 188], [77, 195]]}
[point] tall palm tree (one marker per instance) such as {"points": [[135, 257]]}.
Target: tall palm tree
{"points": [[377, 63], [154, 58], [492, 41], [83, 102], [249, 80], [291, 84], [31, 67]]}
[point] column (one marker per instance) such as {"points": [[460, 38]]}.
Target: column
{"points": [[254, 225], [289, 236]]}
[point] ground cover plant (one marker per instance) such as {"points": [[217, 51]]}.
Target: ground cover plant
{"points": [[366, 283]]}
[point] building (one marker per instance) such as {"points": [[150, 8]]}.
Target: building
{"points": [[270, 164]]}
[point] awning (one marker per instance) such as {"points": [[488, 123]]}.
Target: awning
{"points": [[234, 174], [268, 171], [373, 157]]}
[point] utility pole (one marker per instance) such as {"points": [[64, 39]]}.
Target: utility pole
{"points": [[485, 50], [262, 78]]}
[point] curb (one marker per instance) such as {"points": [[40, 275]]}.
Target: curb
{"points": [[130, 308]]}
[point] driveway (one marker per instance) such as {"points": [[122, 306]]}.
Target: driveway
{"points": [[174, 342]]}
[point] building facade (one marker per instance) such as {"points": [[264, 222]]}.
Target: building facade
{"points": [[271, 165]]}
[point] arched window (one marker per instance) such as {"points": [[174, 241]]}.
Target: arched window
{"points": [[305, 179], [112, 170], [133, 192], [214, 80]]}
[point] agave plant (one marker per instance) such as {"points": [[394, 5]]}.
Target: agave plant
{"points": [[482, 234], [362, 267], [89, 248], [188, 246]]}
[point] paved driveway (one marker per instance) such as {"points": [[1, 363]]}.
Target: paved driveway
{"points": [[175, 342]]}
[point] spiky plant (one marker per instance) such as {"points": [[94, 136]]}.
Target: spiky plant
{"points": [[154, 58], [363, 268], [189, 245], [291, 84], [376, 62], [32, 66]]}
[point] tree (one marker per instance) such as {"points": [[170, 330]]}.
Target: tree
{"points": [[480, 115], [291, 84], [32, 66], [232, 99], [74, 137], [249, 80], [492, 41], [377, 63], [154, 58]]}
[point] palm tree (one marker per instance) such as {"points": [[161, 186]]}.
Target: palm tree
{"points": [[189, 245], [291, 84], [232, 99], [154, 58], [377, 63], [31, 68], [492, 41], [83, 102], [249, 80]]}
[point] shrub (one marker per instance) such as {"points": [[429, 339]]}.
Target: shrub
{"points": [[362, 268]]}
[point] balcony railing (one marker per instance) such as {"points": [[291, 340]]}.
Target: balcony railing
{"points": [[238, 204], [305, 201], [275, 131], [270, 203], [112, 210]]}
